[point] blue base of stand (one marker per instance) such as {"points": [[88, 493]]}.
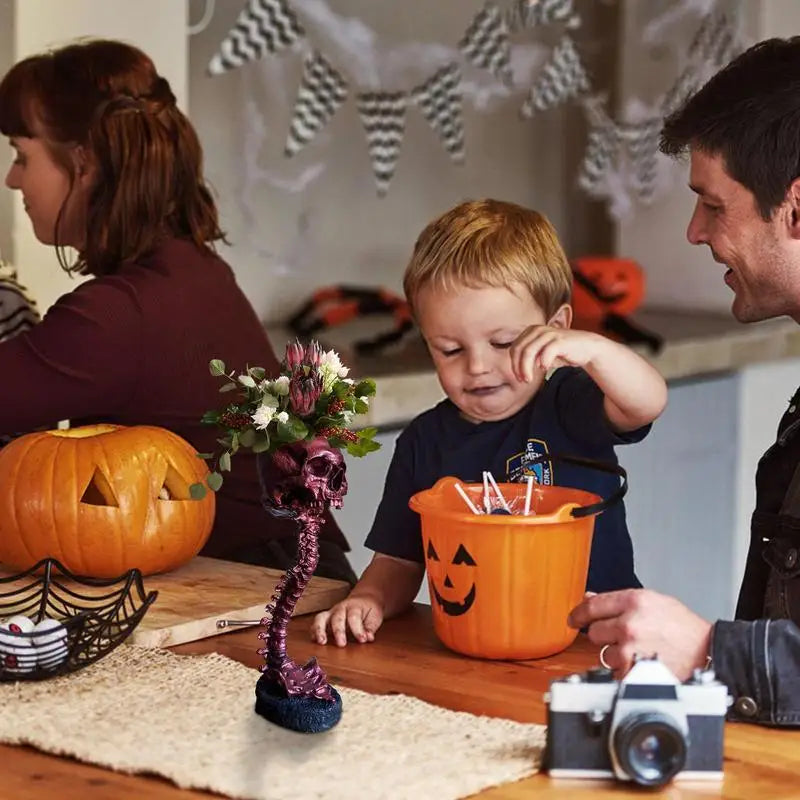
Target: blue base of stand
{"points": [[304, 714]]}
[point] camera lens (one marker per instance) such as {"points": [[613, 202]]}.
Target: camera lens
{"points": [[650, 748]]}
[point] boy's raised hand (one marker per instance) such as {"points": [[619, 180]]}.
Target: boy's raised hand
{"points": [[361, 615], [541, 347]]}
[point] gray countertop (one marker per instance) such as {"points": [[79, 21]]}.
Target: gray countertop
{"points": [[696, 344]]}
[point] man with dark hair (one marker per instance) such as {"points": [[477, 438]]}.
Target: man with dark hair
{"points": [[742, 131]]}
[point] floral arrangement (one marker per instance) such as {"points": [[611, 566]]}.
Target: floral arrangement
{"points": [[311, 397]]}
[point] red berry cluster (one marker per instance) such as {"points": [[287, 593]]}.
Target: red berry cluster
{"points": [[338, 433], [235, 420], [336, 406]]}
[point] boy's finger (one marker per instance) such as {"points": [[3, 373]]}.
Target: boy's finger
{"points": [[356, 624], [338, 628], [319, 627]]}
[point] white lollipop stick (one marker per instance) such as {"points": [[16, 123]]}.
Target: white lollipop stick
{"points": [[487, 506], [528, 493], [472, 507], [499, 493]]}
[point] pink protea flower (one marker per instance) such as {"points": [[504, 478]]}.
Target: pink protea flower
{"points": [[313, 354], [304, 391], [294, 354]]}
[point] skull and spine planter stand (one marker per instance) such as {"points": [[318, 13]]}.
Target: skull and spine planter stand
{"points": [[300, 481]]}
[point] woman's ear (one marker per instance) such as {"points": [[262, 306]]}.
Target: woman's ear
{"points": [[562, 318], [81, 158]]}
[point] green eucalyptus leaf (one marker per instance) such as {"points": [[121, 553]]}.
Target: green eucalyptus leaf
{"points": [[228, 387], [247, 437], [259, 373], [225, 462], [234, 441], [340, 389], [262, 442], [214, 481], [197, 491], [361, 407], [204, 456], [210, 418], [216, 367]]}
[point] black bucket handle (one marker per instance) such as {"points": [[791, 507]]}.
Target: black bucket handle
{"points": [[590, 463]]}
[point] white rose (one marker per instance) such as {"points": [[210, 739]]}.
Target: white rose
{"points": [[282, 416]]}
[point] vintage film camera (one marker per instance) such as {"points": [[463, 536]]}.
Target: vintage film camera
{"points": [[647, 728]]}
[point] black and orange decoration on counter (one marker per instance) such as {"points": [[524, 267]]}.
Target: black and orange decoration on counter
{"points": [[605, 290], [335, 305]]}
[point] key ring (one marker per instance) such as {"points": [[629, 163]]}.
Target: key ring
{"points": [[603, 656]]}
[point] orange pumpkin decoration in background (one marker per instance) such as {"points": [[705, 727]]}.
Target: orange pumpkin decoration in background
{"points": [[102, 499], [619, 285]]}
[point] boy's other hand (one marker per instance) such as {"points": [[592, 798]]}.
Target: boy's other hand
{"points": [[542, 347], [361, 615]]}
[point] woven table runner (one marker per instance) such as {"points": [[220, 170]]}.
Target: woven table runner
{"points": [[191, 720]]}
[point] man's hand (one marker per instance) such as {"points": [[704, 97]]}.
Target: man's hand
{"points": [[642, 622]]}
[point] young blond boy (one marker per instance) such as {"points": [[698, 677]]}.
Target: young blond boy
{"points": [[490, 285]]}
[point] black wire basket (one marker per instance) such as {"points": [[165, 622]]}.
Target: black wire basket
{"points": [[91, 617]]}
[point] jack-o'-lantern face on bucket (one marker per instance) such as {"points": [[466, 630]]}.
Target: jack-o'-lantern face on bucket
{"points": [[460, 570]]}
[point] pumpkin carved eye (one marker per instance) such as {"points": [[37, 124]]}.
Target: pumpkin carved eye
{"points": [[99, 492], [175, 487], [432, 555]]}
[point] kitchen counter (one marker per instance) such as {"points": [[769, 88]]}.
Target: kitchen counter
{"points": [[696, 344]]}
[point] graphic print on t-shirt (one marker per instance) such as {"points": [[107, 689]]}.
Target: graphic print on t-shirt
{"points": [[519, 466]]}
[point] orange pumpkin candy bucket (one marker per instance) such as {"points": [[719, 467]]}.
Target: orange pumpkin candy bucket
{"points": [[502, 586]]}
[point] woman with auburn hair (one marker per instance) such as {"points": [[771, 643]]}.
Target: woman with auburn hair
{"points": [[109, 167]]}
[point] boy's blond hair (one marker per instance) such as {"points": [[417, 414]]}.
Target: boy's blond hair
{"points": [[491, 243]]}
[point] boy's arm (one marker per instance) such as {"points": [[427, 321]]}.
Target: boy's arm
{"points": [[390, 582], [635, 393]]}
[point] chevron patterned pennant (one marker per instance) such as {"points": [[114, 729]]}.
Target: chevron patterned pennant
{"points": [[383, 115], [563, 78], [486, 45], [525, 14], [439, 99], [322, 90], [641, 142], [599, 157], [263, 26]]}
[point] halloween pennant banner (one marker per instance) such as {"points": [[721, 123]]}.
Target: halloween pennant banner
{"points": [[264, 26], [383, 115], [322, 90], [439, 99], [621, 155]]}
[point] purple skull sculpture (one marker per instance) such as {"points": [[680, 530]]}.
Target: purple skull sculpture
{"points": [[299, 480], [303, 477]]}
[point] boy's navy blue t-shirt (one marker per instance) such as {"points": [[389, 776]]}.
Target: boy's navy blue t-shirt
{"points": [[565, 417]]}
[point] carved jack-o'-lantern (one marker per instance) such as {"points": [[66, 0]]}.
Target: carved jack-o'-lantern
{"points": [[102, 499], [606, 285], [502, 586]]}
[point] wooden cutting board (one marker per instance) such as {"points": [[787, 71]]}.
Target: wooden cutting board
{"points": [[192, 598]]}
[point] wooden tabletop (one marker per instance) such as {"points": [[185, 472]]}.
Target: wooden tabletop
{"points": [[408, 658]]}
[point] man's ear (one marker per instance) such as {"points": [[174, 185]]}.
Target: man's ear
{"points": [[793, 198], [562, 318]]}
